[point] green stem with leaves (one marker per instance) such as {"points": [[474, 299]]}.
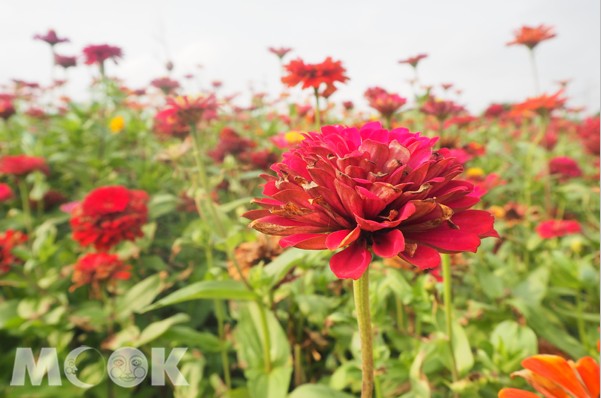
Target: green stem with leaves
{"points": [[448, 308], [361, 293]]}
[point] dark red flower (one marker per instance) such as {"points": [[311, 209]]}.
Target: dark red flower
{"points": [[19, 165], [531, 36], [367, 190], [65, 61], [564, 167], [8, 241], [50, 200], [97, 54], [327, 72], [108, 216], [95, 268], [413, 61], [348, 105], [166, 85], [557, 228], [589, 134], [440, 109], [387, 104], [51, 38], [7, 108], [280, 52], [6, 193], [495, 110], [230, 142], [183, 112]]}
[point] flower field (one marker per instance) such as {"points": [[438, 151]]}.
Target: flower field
{"points": [[402, 247]]}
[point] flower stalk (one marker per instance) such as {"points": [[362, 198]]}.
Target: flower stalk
{"points": [[448, 307], [361, 293]]}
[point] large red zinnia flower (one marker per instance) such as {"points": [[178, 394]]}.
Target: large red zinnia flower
{"points": [[553, 376], [109, 215], [94, 268], [370, 188], [97, 54], [8, 241], [327, 72], [19, 165], [531, 36]]}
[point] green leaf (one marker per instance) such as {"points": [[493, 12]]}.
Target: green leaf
{"points": [[156, 329], [461, 350], [512, 343], [279, 268], [139, 296], [161, 204], [270, 385], [224, 290], [317, 391], [534, 288]]}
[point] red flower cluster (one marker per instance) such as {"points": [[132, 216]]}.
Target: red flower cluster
{"points": [[19, 165], [230, 142], [6, 193], [94, 268], [8, 241], [589, 134], [108, 216], [440, 109], [97, 54], [327, 72], [280, 52], [51, 38], [531, 36], [413, 61], [495, 111], [7, 108], [558, 228], [387, 104], [183, 112], [65, 61], [367, 190], [564, 167]]}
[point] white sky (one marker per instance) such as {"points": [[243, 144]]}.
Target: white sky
{"points": [[465, 39]]}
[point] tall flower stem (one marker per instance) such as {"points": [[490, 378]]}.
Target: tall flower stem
{"points": [[361, 293], [317, 111], [580, 320], [24, 194], [448, 308], [534, 71]]}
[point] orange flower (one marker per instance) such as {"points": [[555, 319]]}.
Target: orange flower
{"points": [[531, 36], [555, 377], [314, 75], [543, 105]]}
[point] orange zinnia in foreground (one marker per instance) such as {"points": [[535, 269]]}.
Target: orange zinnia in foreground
{"points": [[555, 377]]}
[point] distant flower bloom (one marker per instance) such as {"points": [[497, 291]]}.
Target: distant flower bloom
{"points": [[95, 268], [51, 38], [348, 105], [7, 109], [564, 167], [166, 85], [531, 36], [367, 190], [495, 110], [216, 84], [183, 112], [543, 105], [6, 193], [556, 377], [19, 165], [558, 228], [413, 61], [50, 200], [460, 121], [589, 134], [8, 241], [108, 216], [446, 86], [65, 61], [230, 142], [36, 113], [117, 124], [440, 109], [98, 54], [326, 73], [280, 52], [387, 104]]}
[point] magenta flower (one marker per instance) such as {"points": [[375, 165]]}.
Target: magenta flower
{"points": [[51, 38], [371, 190]]}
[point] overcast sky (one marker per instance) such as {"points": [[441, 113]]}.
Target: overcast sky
{"points": [[465, 39]]}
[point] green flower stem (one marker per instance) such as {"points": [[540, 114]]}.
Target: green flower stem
{"points": [[317, 111], [298, 365], [534, 71], [24, 194], [361, 292], [580, 320], [448, 307], [266, 338]]}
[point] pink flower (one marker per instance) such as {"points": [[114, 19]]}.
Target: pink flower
{"points": [[6, 193], [51, 38], [564, 167], [413, 61], [371, 190], [97, 54], [557, 228], [280, 52]]}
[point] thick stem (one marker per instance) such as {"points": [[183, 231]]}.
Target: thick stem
{"points": [[534, 71], [448, 308], [317, 111], [298, 365], [266, 337], [361, 292]]}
